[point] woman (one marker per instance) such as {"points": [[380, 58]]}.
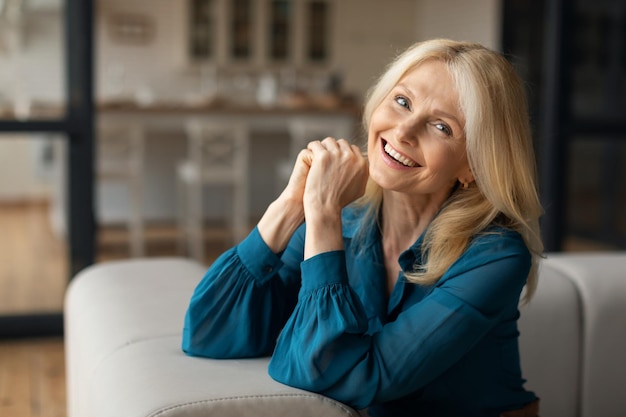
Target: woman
{"points": [[400, 292]]}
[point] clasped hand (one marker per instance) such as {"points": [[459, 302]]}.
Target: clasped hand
{"points": [[328, 175]]}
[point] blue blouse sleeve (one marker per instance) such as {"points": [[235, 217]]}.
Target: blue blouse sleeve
{"points": [[240, 305], [324, 346]]}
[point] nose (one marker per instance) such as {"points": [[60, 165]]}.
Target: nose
{"points": [[407, 131]]}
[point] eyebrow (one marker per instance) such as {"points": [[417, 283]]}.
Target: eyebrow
{"points": [[442, 113], [437, 112]]}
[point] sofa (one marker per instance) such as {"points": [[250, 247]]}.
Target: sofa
{"points": [[123, 324]]}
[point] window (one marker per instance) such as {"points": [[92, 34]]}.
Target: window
{"points": [[201, 31], [279, 29], [318, 31], [241, 29]]}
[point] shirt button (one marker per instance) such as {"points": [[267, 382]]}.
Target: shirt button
{"points": [[268, 268]]}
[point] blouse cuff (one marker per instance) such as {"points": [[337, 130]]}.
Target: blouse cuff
{"points": [[258, 258], [324, 269]]}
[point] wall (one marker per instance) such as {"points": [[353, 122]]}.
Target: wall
{"points": [[476, 20], [159, 65], [368, 34]]}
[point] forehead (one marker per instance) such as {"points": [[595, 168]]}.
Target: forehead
{"points": [[432, 82], [430, 76]]}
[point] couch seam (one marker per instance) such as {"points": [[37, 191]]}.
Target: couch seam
{"points": [[131, 342], [337, 404]]}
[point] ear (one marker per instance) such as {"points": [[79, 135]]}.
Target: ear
{"points": [[466, 177]]}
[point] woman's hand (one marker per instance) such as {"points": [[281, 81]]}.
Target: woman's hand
{"points": [[337, 176]]}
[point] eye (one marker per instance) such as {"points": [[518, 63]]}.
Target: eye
{"points": [[443, 128], [403, 101]]}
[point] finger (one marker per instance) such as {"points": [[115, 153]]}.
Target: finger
{"points": [[314, 145], [348, 147], [331, 144], [327, 146], [306, 156], [357, 150]]}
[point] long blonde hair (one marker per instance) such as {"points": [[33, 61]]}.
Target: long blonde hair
{"points": [[499, 151]]}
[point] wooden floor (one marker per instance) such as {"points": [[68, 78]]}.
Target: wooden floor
{"points": [[32, 378], [30, 250], [32, 372]]}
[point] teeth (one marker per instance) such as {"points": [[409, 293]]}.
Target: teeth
{"points": [[395, 155]]}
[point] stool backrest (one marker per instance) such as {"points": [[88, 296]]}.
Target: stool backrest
{"points": [[120, 150], [219, 149]]}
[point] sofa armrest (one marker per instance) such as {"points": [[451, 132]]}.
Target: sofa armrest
{"points": [[154, 378], [601, 282]]}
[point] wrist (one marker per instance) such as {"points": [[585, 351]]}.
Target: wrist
{"points": [[322, 210], [323, 232], [280, 221]]}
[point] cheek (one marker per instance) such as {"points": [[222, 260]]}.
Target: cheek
{"points": [[373, 134], [371, 143], [457, 168], [447, 161]]}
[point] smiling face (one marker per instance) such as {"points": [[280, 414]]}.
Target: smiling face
{"points": [[416, 140]]}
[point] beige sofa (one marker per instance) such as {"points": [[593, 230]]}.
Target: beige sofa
{"points": [[123, 323]]}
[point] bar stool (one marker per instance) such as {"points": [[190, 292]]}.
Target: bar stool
{"points": [[217, 155], [120, 159], [303, 130]]}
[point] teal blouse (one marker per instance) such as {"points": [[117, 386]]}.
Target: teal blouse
{"points": [[450, 349]]}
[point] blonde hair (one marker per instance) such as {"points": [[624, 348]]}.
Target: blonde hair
{"points": [[499, 151]]}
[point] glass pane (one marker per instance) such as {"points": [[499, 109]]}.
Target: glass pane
{"points": [[33, 243], [318, 31], [241, 28], [279, 29], [597, 191], [32, 58], [201, 33]]}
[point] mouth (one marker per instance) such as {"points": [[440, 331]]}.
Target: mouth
{"points": [[398, 157]]}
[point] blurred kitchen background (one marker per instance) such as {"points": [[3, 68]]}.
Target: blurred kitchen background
{"points": [[83, 81]]}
